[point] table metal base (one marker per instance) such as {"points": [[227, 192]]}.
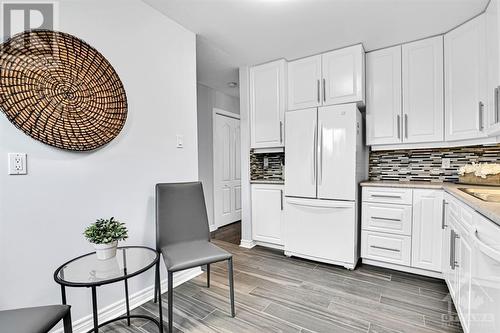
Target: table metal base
{"points": [[128, 316]]}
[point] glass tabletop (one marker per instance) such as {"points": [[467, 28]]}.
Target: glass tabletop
{"points": [[87, 270]]}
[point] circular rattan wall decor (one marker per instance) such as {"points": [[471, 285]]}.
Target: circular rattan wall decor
{"points": [[61, 91]]}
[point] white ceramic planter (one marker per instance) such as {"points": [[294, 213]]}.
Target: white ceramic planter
{"points": [[105, 251]]}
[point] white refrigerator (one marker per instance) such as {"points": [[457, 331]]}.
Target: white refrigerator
{"points": [[325, 159]]}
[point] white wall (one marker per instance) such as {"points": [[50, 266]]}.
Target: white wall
{"points": [[43, 214], [246, 202], [208, 99]]}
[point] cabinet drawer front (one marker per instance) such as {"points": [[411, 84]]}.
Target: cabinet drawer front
{"points": [[389, 218], [388, 195], [386, 247]]}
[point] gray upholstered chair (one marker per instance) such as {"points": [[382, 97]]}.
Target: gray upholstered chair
{"points": [[183, 237], [35, 320]]}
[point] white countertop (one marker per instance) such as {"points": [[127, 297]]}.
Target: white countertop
{"points": [[489, 209]]}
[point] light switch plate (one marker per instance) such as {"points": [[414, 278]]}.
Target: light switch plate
{"points": [[17, 164], [445, 163], [180, 141]]}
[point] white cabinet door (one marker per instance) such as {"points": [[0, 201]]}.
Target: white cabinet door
{"points": [[337, 132], [300, 157], [493, 60], [267, 217], [427, 229], [423, 100], [304, 83], [383, 100], [465, 81], [267, 104], [343, 75], [465, 270]]}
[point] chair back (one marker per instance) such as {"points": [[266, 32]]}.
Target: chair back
{"points": [[181, 214]]}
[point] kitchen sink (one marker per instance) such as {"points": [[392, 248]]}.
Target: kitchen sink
{"points": [[489, 195]]}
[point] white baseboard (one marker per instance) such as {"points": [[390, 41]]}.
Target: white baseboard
{"points": [[213, 227], [119, 308], [402, 268], [247, 243]]}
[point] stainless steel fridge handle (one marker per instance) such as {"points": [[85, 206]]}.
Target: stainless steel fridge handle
{"points": [[313, 159], [320, 148]]}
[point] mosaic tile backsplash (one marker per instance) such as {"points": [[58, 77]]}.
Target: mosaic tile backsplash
{"points": [[274, 170], [425, 164]]}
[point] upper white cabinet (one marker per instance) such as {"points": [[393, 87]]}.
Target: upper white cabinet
{"points": [[383, 98], [267, 104], [423, 100], [465, 81], [427, 229], [304, 83], [493, 55], [335, 77], [344, 75], [404, 101]]}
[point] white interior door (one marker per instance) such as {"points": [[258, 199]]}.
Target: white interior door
{"points": [[227, 170]]}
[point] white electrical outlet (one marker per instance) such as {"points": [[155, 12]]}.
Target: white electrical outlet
{"points": [[17, 164], [445, 163]]}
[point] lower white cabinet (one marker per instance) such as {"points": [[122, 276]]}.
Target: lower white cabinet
{"points": [[427, 229], [458, 262], [267, 213], [402, 229]]}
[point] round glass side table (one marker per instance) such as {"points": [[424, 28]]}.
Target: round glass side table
{"points": [[89, 272]]}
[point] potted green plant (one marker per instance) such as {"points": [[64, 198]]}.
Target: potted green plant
{"points": [[104, 236]]}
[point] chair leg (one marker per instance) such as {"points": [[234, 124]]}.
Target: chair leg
{"points": [[231, 284], [170, 302], [68, 328], [208, 275], [156, 284]]}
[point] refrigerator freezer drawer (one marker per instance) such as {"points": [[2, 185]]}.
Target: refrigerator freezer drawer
{"points": [[323, 230]]}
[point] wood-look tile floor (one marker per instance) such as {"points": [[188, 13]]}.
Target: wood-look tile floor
{"points": [[279, 294]]}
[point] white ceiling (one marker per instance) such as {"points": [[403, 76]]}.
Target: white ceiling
{"points": [[246, 32]]}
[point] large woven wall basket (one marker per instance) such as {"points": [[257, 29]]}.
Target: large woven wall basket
{"points": [[61, 91]]}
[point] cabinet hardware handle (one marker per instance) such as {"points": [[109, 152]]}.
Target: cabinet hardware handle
{"points": [[320, 152], [406, 126], [324, 90], [314, 154], [281, 131], [452, 240], [281, 193], [384, 248], [398, 120], [443, 217], [318, 90], [497, 116], [386, 196], [486, 249], [385, 219], [481, 120]]}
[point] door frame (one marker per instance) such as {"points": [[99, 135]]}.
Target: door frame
{"points": [[218, 112]]}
